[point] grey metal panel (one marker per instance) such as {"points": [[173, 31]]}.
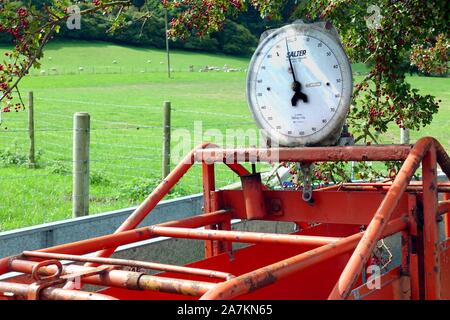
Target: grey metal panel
{"points": [[55, 233]]}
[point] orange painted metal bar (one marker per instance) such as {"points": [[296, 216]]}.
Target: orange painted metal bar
{"points": [[384, 184], [443, 207], [153, 199], [442, 157], [330, 188], [432, 255], [144, 233], [160, 191], [269, 274], [118, 239], [369, 186], [122, 279], [411, 265], [52, 293], [225, 246], [131, 263], [413, 188], [242, 236], [307, 154], [375, 228], [447, 216], [208, 186]]}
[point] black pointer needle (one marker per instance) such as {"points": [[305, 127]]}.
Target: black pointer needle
{"points": [[296, 86]]}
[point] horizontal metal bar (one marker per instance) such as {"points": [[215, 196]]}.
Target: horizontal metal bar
{"points": [[118, 239], [444, 207], [52, 293], [379, 221], [410, 188], [122, 279], [383, 184], [307, 154], [241, 236], [265, 276], [56, 233], [354, 207], [159, 193], [131, 263]]}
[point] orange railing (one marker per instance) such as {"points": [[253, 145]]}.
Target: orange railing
{"points": [[427, 151]]}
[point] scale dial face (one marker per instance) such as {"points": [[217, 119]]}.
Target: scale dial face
{"points": [[299, 85]]}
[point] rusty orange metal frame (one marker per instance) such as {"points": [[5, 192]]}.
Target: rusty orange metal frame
{"points": [[411, 208]]}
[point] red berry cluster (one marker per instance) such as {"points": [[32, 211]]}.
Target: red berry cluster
{"points": [[374, 113], [16, 26], [17, 108], [237, 4], [321, 176], [432, 57]]}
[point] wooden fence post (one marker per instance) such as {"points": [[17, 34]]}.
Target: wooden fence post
{"points": [[80, 174], [404, 136], [31, 153], [166, 140]]}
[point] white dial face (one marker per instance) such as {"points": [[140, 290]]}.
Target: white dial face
{"points": [[299, 85]]}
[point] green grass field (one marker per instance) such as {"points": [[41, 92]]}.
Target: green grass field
{"points": [[125, 101]]}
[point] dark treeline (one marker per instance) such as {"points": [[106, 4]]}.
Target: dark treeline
{"points": [[239, 35]]}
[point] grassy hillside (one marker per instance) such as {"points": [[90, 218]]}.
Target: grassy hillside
{"points": [[126, 117], [66, 57]]}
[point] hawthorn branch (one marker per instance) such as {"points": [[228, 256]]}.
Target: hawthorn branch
{"points": [[30, 62], [52, 24]]}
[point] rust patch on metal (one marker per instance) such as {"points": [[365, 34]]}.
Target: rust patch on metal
{"points": [[253, 282]]}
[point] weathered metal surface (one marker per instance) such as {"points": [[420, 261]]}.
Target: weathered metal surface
{"points": [[285, 268], [131, 263], [342, 224], [353, 207], [353, 153], [122, 279], [431, 232], [393, 286], [244, 237], [209, 185], [20, 291], [382, 216], [445, 269], [252, 189], [447, 216], [114, 240]]}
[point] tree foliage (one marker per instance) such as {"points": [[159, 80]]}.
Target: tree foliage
{"points": [[409, 30], [234, 37]]}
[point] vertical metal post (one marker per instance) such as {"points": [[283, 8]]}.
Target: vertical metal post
{"points": [[208, 186], [404, 136], [31, 153], [225, 246], [166, 140], [447, 217], [410, 250], [81, 137], [430, 228], [167, 43]]}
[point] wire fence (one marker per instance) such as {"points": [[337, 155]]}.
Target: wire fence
{"points": [[125, 161], [125, 156], [152, 67]]}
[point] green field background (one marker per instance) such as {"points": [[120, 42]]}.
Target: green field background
{"points": [[123, 89]]}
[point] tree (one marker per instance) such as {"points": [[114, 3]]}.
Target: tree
{"points": [[413, 30]]}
